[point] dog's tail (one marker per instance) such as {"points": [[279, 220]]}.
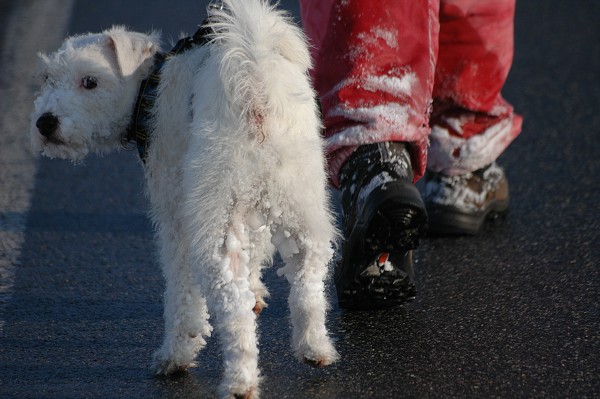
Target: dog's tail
{"points": [[263, 63]]}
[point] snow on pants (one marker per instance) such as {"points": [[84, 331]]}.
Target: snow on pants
{"points": [[425, 72]]}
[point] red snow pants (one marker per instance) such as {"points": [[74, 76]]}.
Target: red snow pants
{"points": [[425, 72]]}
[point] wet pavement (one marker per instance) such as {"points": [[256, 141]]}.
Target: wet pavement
{"points": [[513, 312]]}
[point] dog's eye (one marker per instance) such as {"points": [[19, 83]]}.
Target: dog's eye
{"points": [[89, 82]]}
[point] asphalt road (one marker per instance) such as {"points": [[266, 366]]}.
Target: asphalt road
{"points": [[513, 312]]}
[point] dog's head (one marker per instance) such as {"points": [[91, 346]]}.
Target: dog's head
{"points": [[89, 87]]}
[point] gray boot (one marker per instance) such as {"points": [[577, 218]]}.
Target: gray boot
{"points": [[462, 204]]}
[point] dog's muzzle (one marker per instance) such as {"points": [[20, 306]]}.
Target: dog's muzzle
{"points": [[47, 124]]}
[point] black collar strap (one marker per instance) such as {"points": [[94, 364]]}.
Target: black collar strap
{"points": [[140, 127]]}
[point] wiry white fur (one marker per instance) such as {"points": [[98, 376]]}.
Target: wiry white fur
{"points": [[235, 171]]}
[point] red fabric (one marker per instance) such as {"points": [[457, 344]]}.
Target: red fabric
{"points": [[378, 69]]}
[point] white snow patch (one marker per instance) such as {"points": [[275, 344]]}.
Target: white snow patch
{"points": [[396, 86], [475, 152], [232, 243], [277, 237], [390, 37], [256, 221], [276, 211], [224, 263], [378, 180], [373, 121], [455, 191], [392, 115], [285, 243], [455, 123], [387, 266], [288, 248]]}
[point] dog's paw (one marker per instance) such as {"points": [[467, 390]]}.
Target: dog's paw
{"points": [[321, 361], [322, 356], [249, 394], [317, 363], [229, 392], [171, 368], [259, 306], [165, 366]]}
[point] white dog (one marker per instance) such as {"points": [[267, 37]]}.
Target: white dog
{"points": [[234, 165]]}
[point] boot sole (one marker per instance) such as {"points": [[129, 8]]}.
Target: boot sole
{"points": [[449, 221], [388, 290], [393, 220]]}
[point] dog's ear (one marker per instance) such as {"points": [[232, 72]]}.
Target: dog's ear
{"points": [[131, 49]]}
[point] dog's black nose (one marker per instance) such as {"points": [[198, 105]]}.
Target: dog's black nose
{"points": [[47, 124]]}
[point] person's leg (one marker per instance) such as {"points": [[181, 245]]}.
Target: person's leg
{"points": [[471, 124], [374, 72]]}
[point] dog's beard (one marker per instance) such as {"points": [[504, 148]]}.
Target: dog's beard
{"points": [[54, 139], [56, 146]]}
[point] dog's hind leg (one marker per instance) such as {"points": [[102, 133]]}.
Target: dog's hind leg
{"points": [[261, 257], [306, 271], [185, 311], [231, 301]]}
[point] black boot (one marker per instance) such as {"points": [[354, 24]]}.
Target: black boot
{"points": [[383, 218]]}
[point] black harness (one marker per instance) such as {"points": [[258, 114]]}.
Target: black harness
{"points": [[138, 131]]}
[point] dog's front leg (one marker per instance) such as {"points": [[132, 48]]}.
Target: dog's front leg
{"points": [[185, 310]]}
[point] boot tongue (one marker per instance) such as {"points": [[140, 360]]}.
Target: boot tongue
{"points": [[389, 160], [369, 167], [371, 159]]}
